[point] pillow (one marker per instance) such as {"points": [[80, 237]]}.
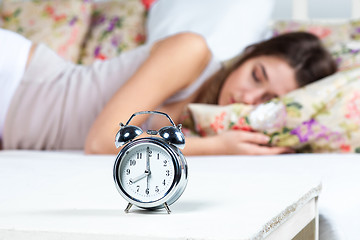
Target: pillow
{"points": [[329, 33], [341, 39], [60, 24], [346, 54], [355, 29], [116, 26], [321, 117], [1, 19], [228, 26]]}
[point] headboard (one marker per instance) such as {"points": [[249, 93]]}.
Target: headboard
{"points": [[312, 9], [316, 9]]}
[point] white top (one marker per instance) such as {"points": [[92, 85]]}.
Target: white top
{"points": [[14, 50], [213, 66]]}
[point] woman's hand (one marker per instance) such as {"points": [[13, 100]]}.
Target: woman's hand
{"points": [[249, 143], [234, 142]]}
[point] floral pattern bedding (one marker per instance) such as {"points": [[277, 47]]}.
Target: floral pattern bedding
{"points": [[116, 26], [328, 33], [321, 117], [342, 39], [62, 25], [81, 31], [346, 54]]}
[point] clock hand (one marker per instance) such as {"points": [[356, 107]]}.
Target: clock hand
{"points": [[134, 180], [147, 166], [148, 159]]}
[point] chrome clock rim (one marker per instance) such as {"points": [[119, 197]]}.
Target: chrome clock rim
{"points": [[177, 186]]}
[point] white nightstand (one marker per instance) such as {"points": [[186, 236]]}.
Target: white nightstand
{"points": [[52, 196]]}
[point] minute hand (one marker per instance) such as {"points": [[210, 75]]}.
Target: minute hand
{"points": [[147, 166]]}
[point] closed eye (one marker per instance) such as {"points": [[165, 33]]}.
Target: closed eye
{"points": [[264, 72], [259, 73], [255, 77]]}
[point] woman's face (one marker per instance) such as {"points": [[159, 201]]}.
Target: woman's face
{"points": [[258, 80]]}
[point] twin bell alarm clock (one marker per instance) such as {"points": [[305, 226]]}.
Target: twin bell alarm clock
{"points": [[150, 172]]}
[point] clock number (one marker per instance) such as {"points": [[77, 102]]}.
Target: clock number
{"points": [[157, 189], [164, 182], [132, 162], [138, 188], [167, 172], [147, 191], [127, 171], [158, 156], [165, 163], [138, 155]]}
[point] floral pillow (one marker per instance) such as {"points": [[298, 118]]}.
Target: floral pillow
{"points": [[341, 39], [329, 33], [355, 29], [321, 117], [1, 19], [346, 54], [116, 26], [60, 24]]}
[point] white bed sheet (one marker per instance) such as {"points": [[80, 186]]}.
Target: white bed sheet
{"points": [[339, 202]]}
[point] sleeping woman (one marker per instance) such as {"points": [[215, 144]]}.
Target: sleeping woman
{"points": [[47, 103]]}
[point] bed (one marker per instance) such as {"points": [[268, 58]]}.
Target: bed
{"points": [[24, 173]]}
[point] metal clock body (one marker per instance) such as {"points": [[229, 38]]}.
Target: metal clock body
{"points": [[150, 172]]}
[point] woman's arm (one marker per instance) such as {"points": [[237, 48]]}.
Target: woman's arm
{"points": [[232, 142], [31, 53], [173, 64]]}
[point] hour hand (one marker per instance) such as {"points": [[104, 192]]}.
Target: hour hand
{"points": [[134, 180], [148, 159]]}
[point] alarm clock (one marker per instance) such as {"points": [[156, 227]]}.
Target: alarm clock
{"points": [[150, 172]]}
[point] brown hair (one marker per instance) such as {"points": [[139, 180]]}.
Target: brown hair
{"points": [[303, 51]]}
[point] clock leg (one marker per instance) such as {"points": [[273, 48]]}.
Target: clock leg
{"points": [[167, 208], [128, 208]]}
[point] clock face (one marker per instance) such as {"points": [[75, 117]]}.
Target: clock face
{"points": [[146, 172]]}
